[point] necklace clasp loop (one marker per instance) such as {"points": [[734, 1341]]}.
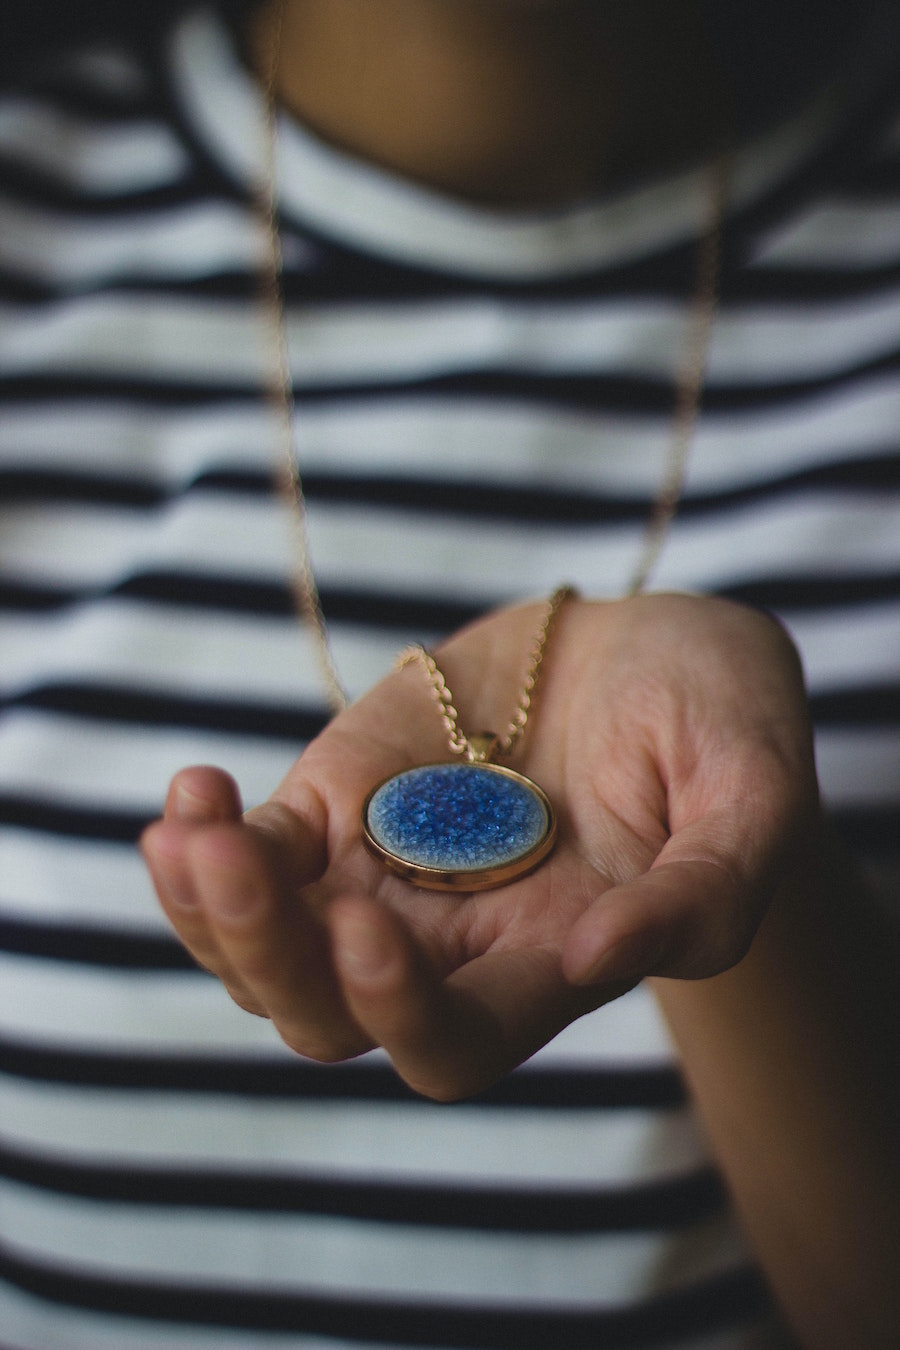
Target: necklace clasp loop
{"points": [[481, 748]]}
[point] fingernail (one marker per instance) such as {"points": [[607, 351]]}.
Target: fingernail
{"points": [[363, 951], [176, 893], [229, 900], [187, 806], [631, 957]]}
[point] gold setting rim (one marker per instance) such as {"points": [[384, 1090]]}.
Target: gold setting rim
{"points": [[475, 879]]}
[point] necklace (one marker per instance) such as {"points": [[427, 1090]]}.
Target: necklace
{"points": [[467, 824]]}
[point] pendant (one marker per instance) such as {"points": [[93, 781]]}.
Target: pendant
{"points": [[459, 826]]}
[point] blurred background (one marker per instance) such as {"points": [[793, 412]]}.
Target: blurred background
{"points": [[777, 47], [37, 27]]}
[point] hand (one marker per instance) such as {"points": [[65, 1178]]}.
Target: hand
{"points": [[672, 735]]}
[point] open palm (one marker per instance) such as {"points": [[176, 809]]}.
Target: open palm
{"points": [[672, 736]]}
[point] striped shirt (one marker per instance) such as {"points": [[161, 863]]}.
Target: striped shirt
{"points": [[484, 402]]}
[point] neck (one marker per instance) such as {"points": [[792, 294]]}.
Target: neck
{"points": [[504, 102]]}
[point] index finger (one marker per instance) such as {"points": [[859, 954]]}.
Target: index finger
{"points": [[451, 1037]]}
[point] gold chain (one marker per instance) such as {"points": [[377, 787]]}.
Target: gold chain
{"points": [[482, 747], [689, 379], [280, 391]]}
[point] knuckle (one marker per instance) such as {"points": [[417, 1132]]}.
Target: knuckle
{"points": [[244, 999], [208, 958], [447, 1089], [255, 967], [323, 1049]]}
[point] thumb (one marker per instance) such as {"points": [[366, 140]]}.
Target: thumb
{"points": [[692, 915]]}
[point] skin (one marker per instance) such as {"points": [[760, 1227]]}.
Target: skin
{"points": [[672, 734], [662, 791], [504, 102]]}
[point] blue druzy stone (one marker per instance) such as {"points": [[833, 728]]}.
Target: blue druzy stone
{"points": [[457, 817]]}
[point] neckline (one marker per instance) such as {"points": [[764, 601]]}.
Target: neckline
{"points": [[363, 207]]}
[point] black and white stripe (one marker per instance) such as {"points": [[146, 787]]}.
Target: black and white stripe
{"points": [[483, 407]]}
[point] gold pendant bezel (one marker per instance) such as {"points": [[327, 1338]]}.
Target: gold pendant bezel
{"points": [[464, 879]]}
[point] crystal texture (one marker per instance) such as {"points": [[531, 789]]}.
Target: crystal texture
{"points": [[457, 817]]}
